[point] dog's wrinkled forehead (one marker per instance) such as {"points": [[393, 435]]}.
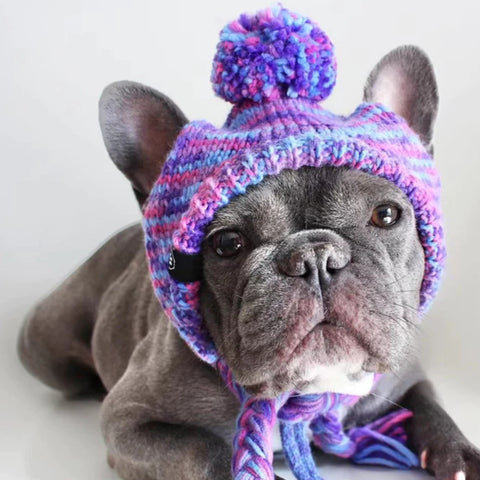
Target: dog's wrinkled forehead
{"points": [[326, 197]]}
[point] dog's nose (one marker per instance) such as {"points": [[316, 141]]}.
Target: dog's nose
{"points": [[315, 255]]}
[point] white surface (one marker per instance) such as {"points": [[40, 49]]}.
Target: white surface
{"points": [[44, 437], [60, 196]]}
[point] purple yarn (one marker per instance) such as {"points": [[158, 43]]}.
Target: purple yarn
{"points": [[271, 55], [274, 66]]}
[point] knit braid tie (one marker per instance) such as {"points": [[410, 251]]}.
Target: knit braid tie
{"points": [[295, 417], [298, 451], [253, 455], [382, 442]]}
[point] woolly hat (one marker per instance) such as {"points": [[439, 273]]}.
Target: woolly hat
{"points": [[275, 67]]}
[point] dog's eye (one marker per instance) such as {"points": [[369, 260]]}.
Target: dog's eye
{"points": [[385, 216], [227, 243]]}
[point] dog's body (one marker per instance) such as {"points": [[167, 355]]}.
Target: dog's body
{"points": [[105, 327], [167, 414]]}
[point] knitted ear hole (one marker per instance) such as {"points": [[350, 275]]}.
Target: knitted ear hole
{"points": [[273, 54]]}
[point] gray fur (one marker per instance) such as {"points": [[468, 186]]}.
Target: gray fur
{"points": [[404, 81], [313, 263], [139, 126], [258, 314]]}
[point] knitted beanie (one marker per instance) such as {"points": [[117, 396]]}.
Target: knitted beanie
{"points": [[275, 67]]}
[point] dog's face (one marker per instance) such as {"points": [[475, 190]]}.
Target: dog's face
{"points": [[312, 280]]}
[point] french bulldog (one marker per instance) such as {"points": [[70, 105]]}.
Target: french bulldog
{"points": [[331, 244]]}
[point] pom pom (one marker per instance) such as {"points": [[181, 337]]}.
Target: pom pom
{"points": [[273, 54]]}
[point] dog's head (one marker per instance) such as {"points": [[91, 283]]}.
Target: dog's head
{"points": [[311, 279]]}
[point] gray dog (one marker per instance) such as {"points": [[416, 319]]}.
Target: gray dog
{"points": [[166, 413]]}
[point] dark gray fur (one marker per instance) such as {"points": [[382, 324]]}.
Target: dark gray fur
{"points": [[313, 263], [408, 75], [298, 212], [138, 122]]}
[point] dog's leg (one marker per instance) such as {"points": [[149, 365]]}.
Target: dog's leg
{"points": [[54, 346], [54, 343], [432, 434], [155, 450], [155, 420], [443, 449]]}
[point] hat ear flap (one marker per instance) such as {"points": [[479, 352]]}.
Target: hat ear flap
{"points": [[404, 81], [139, 127]]}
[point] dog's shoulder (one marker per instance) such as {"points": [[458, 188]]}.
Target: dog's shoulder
{"points": [[128, 307]]}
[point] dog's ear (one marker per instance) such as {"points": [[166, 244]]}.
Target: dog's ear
{"points": [[139, 127], [404, 81]]}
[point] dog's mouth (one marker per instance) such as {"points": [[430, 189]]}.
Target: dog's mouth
{"points": [[308, 344], [326, 359]]}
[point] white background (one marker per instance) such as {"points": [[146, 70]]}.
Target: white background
{"points": [[60, 196]]}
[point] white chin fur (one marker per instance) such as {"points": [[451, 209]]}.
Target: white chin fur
{"points": [[336, 379]]}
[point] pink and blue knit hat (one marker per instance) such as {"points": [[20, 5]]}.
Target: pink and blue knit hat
{"points": [[275, 67]]}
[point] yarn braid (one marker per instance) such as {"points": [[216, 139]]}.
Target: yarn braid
{"points": [[382, 442]]}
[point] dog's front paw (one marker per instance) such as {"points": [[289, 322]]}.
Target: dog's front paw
{"points": [[452, 461]]}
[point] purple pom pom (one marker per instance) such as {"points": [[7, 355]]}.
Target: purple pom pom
{"points": [[273, 54]]}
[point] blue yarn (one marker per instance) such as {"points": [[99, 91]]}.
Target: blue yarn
{"points": [[402, 456], [298, 451]]}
